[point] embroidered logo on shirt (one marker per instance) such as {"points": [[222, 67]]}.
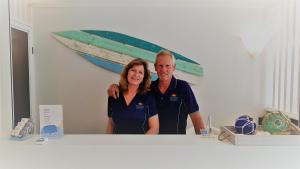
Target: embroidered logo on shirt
{"points": [[139, 106], [173, 97]]}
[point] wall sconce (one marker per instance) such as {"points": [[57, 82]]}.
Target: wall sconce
{"points": [[255, 42]]}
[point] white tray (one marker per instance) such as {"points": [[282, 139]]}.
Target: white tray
{"points": [[228, 132]]}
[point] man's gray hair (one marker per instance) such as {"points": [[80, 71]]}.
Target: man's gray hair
{"points": [[164, 53]]}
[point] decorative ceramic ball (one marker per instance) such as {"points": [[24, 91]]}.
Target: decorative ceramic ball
{"points": [[275, 122], [245, 125]]}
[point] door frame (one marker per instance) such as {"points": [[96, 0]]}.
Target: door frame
{"points": [[25, 28]]}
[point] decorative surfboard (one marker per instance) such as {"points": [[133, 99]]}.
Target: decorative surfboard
{"points": [[111, 51]]}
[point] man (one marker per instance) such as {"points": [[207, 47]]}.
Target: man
{"points": [[174, 98]]}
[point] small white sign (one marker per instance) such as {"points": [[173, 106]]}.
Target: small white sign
{"points": [[51, 121]]}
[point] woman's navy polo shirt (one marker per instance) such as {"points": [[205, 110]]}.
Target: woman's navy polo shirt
{"points": [[131, 119], [174, 106]]}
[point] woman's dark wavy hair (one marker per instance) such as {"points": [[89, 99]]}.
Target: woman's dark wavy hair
{"points": [[145, 84]]}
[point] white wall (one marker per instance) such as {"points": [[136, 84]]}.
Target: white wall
{"points": [[20, 11], [5, 79], [234, 83]]}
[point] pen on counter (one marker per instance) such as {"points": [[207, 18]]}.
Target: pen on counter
{"points": [[209, 124]]}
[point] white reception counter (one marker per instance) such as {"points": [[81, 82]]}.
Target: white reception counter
{"points": [[143, 152]]}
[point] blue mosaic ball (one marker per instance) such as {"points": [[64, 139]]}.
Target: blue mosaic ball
{"points": [[245, 125]]}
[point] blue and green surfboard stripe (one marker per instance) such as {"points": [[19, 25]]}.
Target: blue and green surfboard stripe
{"points": [[130, 46], [111, 66], [122, 38]]}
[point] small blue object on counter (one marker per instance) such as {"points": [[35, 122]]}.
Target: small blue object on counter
{"points": [[204, 132], [245, 125]]}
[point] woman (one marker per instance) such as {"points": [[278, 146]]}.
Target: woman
{"points": [[134, 112]]}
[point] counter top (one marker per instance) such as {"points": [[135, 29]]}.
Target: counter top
{"points": [[143, 152]]}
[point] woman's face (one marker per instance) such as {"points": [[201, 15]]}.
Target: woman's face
{"points": [[135, 75]]}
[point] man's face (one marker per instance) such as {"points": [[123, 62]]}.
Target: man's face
{"points": [[164, 67]]}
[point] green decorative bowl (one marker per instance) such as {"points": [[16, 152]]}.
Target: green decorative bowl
{"points": [[275, 122]]}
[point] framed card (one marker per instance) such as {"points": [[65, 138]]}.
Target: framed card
{"points": [[51, 121]]}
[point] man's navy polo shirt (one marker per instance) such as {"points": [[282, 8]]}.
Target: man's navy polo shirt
{"points": [[174, 106], [131, 119]]}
